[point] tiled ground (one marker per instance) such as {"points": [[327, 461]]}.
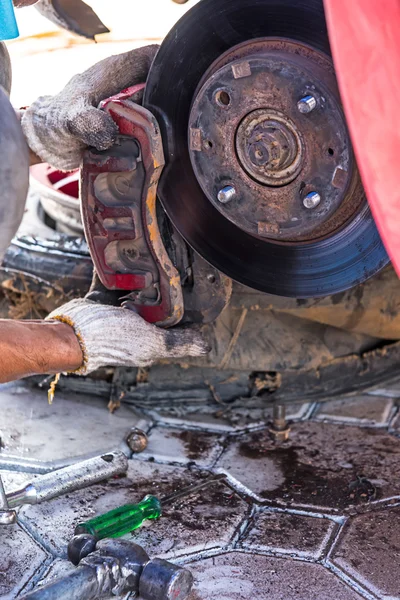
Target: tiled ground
{"points": [[313, 519]]}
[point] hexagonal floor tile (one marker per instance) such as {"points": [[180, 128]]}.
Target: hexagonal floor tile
{"points": [[182, 446], [71, 426], [287, 533], [205, 519], [363, 410], [323, 465], [238, 576], [369, 551], [20, 559]]}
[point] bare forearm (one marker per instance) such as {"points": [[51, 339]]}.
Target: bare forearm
{"points": [[36, 347]]}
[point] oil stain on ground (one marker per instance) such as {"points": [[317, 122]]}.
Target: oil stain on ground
{"points": [[196, 443], [321, 468]]}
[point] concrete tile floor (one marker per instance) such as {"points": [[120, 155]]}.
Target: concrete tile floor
{"points": [[315, 518]]}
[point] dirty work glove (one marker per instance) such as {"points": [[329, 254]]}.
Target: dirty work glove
{"points": [[59, 128], [117, 337]]}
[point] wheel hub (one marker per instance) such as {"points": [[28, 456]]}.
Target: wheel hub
{"points": [[269, 147], [266, 121]]}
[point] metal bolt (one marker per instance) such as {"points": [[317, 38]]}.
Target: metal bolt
{"points": [[306, 104], [137, 440], [311, 200], [226, 194], [280, 430]]}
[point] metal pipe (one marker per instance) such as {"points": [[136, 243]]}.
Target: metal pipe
{"points": [[81, 583]]}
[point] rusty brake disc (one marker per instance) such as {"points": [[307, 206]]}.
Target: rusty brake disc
{"points": [[260, 176]]}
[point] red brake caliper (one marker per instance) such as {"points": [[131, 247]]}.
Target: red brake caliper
{"points": [[118, 195]]}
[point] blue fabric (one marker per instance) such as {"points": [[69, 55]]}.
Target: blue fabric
{"points": [[8, 24]]}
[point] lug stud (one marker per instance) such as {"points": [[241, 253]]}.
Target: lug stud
{"points": [[226, 194], [306, 104], [311, 200]]}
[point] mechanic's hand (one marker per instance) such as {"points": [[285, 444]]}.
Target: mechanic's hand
{"points": [[117, 337], [59, 128]]}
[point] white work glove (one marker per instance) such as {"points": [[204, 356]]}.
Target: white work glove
{"points": [[117, 337], [59, 128]]}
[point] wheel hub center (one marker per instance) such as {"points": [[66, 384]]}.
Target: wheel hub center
{"points": [[269, 147]]}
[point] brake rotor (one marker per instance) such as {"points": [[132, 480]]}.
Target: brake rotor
{"points": [[260, 178]]}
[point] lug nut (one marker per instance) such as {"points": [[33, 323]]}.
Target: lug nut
{"points": [[306, 104], [311, 200], [226, 194]]}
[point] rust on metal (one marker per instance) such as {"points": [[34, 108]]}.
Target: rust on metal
{"points": [[266, 229], [339, 178], [119, 193], [137, 440], [269, 147], [195, 139], [245, 106]]}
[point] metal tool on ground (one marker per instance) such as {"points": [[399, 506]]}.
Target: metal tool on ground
{"points": [[137, 440], [116, 568], [7, 516], [279, 429], [124, 519], [69, 479]]}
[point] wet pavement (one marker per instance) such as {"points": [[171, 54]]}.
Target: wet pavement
{"points": [[317, 517]]}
